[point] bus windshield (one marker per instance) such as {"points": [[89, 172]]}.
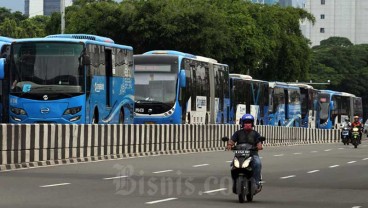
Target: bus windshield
{"points": [[155, 79], [324, 103], [46, 68]]}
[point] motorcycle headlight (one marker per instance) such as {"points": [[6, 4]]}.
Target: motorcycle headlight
{"points": [[236, 163], [72, 111], [246, 162]]}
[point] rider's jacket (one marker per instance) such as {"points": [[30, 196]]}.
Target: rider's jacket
{"points": [[356, 124], [243, 137]]}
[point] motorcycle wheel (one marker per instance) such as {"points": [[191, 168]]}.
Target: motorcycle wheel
{"points": [[355, 145], [241, 190], [250, 195]]}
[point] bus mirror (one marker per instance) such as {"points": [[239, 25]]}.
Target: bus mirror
{"points": [[86, 60], [182, 78], [2, 68]]}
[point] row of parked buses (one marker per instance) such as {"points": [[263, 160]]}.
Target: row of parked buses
{"points": [[83, 79]]}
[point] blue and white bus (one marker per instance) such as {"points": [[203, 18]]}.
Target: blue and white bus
{"points": [[70, 78], [284, 105], [248, 96], [308, 98], [4, 90], [333, 108], [173, 87]]}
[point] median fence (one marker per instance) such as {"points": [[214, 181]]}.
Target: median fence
{"points": [[24, 146]]}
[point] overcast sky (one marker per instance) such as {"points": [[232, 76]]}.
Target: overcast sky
{"points": [[17, 5], [14, 5]]}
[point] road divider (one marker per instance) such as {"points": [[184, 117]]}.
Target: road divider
{"points": [[34, 145]]}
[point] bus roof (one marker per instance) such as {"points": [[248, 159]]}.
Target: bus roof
{"points": [[331, 92], [6, 39], [306, 86], [185, 55], [240, 76], [169, 52], [282, 84], [82, 37], [72, 40]]}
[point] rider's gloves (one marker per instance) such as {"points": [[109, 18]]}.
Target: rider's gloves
{"points": [[259, 146]]}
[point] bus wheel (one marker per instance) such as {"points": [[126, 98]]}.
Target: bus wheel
{"points": [[121, 116]]}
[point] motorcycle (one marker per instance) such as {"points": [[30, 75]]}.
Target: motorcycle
{"points": [[345, 135], [355, 136], [245, 184]]}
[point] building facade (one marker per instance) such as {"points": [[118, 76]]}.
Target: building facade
{"points": [[337, 18], [43, 7], [293, 3], [265, 1]]}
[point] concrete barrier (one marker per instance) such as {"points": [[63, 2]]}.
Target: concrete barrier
{"points": [[47, 144]]}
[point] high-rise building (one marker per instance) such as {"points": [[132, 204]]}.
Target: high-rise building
{"points": [[293, 3], [265, 1], [337, 18], [43, 7]]}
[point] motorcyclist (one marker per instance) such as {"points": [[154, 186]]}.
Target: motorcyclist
{"points": [[247, 135], [346, 123], [359, 125]]}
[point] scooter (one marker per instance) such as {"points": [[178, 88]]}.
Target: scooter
{"points": [[355, 136], [245, 184], [345, 135]]}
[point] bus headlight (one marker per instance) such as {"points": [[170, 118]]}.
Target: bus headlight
{"points": [[72, 111], [18, 111]]}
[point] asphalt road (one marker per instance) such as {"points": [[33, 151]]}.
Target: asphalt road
{"points": [[318, 175]]}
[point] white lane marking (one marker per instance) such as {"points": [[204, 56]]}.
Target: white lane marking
{"points": [[351, 162], [216, 190], [327, 150], [115, 177], [314, 151], [162, 200], [163, 171], [334, 166], [229, 161], [341, 148], [313, 171], [365, 158], [297, 153], [200, 165], [357, 207], [279, 155], [290, 176], [260, 157], [52, 185]]}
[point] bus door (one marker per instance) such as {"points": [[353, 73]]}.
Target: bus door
{"points": [[214, 101], [108, 77], [286, 104]]}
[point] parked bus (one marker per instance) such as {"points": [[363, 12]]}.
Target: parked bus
{"points": [[284, 107], [308, 98], [333, 108], [248, 96], [173, 87], [4, 90], [358, 108], [71, 78]]}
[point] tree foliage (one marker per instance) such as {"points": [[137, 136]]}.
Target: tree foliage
{"points": [[344, 64], [263, 40]]}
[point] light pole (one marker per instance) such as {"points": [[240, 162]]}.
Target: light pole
{"points": [[62, 11]]}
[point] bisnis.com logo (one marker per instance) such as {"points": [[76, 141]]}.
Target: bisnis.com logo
{"points": [[128, 182]]}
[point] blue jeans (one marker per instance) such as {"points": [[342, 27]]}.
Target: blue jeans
{"points": [[257, 167]]}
